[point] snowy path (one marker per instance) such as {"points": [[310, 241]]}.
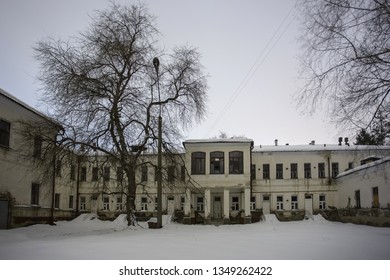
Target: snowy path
{"points": [[89, 238]]}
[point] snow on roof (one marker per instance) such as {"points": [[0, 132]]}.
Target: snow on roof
{"points": [[364, 166], [24, 105], [316, 147], [218, 140]]}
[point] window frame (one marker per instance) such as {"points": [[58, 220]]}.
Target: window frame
{"points": [[144, 203], [279, 202], [294, 170], [321, 170], [35, 189], [198, 163], [82, 203], [5, 134], [335, 169], [235, 200], [307, 170], [236, 162], [322, 201], [200, 204], [217, 157], [279, 171], [266, 171], [294, 202], [57, 198]]}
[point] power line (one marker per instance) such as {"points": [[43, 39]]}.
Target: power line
{"points": [[256, 65]]}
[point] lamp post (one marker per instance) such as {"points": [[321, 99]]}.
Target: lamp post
{"points": [[156, 64]]}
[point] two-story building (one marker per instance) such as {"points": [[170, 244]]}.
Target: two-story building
{"points": [[26, 178], [209, 181]]}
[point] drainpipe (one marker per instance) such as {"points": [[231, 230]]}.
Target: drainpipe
{"points": [[250, 157], [53, 181], [78, 185], [329, 177]]}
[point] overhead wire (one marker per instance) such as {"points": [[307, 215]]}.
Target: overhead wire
{"points": [[253, 69]]}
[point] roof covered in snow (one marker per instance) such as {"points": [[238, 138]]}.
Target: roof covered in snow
{"points": [[24, 105], [218, 140], [316, 147], [373, 164]]}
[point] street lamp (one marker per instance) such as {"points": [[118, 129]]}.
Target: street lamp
{"points": [[156, 64]]}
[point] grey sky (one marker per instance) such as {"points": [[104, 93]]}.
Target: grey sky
{"points": [[249, 49]]}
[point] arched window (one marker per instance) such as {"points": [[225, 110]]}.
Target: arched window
{"points": [[236, 162], [217, 163], [198, 160]]}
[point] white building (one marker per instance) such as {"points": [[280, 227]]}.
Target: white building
{"points": [[216, 180], [26, 188]]}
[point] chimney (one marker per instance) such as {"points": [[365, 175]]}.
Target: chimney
{"points": [[276, 142], [346, 141], [340, 140], [312, 142]]}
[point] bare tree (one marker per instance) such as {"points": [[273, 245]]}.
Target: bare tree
{"points": [[346, 58], [104, 90]]}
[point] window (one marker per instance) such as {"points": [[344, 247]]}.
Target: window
{"points": [[182, 173], [95, 174], [321, 170], [106, 203], [236, 163], [73, 172], [357, 199], [307, 169], [119, 203], [4, 133], [106, 173], [199, 203], [198, 160], [155, 203], [155, 173], [350, 165], [217, 163], [83, 174], [37, 147], [375, 197], [266, 171], [279, 202], [119, 174], [58, 168], [335, 169], [83, 203], [294, 170], [71, 199], [144, 204], [253, 171], [253, 203], [171, 173], [144, 173], [182, 203], [279, 171], [57, 201], [34, 194], [235, 203], [322, 202], [294, 202]]}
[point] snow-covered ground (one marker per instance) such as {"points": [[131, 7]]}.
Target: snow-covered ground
{"points": [[86, 237]]}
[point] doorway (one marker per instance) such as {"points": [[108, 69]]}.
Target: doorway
{"points": [[217, 207], [266, 204], [4, 204], [171, 205], [375, 197], [309, 204]]}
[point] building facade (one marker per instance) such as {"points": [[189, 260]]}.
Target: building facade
{"points": [[211, 181]]}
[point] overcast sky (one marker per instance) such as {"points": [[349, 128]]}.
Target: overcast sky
{"points": [[249, 50]]}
